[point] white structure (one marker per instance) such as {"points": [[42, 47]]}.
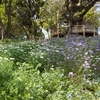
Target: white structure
{"points": [[99, 31], [46, 33]]}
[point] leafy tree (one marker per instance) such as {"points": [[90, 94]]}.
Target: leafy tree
{"points": [[6, 15], [25, 17], [92, 17], [51, 13], [21, 15], [76, 10], [27, 13]]}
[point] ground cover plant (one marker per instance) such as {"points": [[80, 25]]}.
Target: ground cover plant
{"points": [[59, 69]]}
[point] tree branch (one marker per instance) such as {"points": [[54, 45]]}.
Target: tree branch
{"points": [[88, 7]]}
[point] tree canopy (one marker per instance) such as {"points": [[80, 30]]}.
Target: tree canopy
{"points": [[76, 9], [26, 17], [92, 17]]}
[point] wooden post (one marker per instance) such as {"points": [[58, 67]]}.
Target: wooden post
{"points": [[2, 29], [57, 24], [94, 32], [84, 30]]}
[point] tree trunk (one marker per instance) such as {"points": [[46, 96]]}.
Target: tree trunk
{"points": [[8, 8], [2, 30], [70, 29], [32, 31], [0, 1]]}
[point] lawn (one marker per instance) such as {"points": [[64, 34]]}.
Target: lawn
{"points": [[59, 69]]}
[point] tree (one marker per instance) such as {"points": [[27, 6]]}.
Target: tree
{"points": [[51, 13], [2, 29], [76, 10], [27, 13], [92, 17], [8, 8], [2, 20]]}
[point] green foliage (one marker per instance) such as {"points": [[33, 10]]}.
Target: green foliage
{"points": [[92, 17], [3, 16], [25, 17], [20, 52], [43, 71], [48, 13], [6, 69], [28, 15], [19, 16], [76, 10], [27, 83]]}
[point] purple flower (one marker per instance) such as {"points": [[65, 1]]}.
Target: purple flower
{"points": [[79, 44], [86, 64], [68, 57], [88, 58], [36, 54], [90, 51]]}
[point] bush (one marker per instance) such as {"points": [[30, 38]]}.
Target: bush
{"points": [[27, 83]]}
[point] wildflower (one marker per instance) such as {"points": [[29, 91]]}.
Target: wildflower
{"points": [[86, 53], [6, 58], [12, 58], [90, 51], [56, 51], [95, 68], [0, 57], [88, 58], [86, 64], [89, 74], [97, 49], [37, 55], [70, 74], [86, 45], [79, 44], [68, 57], [58, 67], [41, 57], [82, 91], [77, 49], [61, 48]]}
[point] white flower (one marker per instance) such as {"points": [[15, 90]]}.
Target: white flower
{"points": [[0, 57], [71, 74], [6, 58], [12, 58]]}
